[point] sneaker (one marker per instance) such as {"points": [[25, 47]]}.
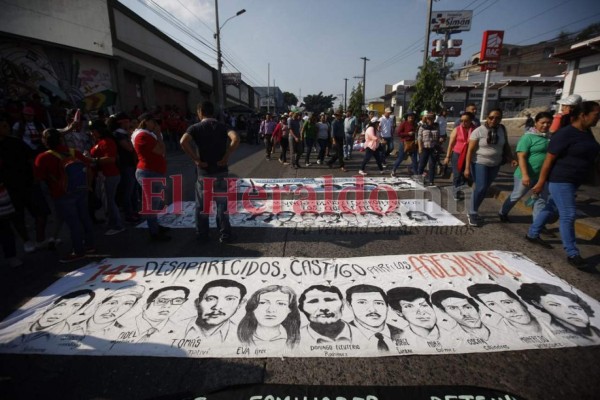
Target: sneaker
{"points": [[280, 161], [384, 165], [286, 163], [548, 232], [225, 239], [268, 158], [459, 195], [308, 164], [579, 263], [473, 219], [319, 162], [29, 247], [71, 258], [343, 169], [503, 218], [381, 172], [539, 241], [14, 262], [363, 173], [115, 231], [393, 174]]}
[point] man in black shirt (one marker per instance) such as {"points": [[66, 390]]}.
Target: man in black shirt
{"points": [[214, 143]]}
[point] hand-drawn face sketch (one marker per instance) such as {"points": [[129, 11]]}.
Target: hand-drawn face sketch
{"points": [[104, 321], [372, 218], [55, 316], [349, 218], [567, 310], [218, 301], [165, 302], [419, 216], [464, 310], [288, 218], [329, 218], [323, 306], [271, 316], [261, 218], [369, 306], [309, 218], [506, 304], [414, 305]]}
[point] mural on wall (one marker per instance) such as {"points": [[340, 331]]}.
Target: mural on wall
{"points": [[55, 75]]}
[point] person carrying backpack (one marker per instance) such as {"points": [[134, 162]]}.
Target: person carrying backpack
{"points": [[65, 171]]}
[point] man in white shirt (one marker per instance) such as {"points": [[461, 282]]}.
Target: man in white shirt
{"points": [[386, 128]]}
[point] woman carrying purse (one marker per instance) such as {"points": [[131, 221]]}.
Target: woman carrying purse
{"points": [[457, 152]]}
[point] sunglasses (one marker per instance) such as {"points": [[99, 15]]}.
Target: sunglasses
{"points": [[494, 118]]}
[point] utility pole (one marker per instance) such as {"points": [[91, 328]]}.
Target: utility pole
{"points": [[345, 94], [427, 31], [365, 59], [268, 88]]}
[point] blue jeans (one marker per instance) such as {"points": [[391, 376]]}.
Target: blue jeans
{"points": [[387, 148], [110, 186], [322, 147], [309, 146], [73, 209], [425, 156], [562, 197], [155, 202], [130, 203], [458, 180], [202, 217], [348, 144], [519, 190], [413, 158], [483, 177]]}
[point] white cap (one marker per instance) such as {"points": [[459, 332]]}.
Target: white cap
{"points": [[571, 100], [374, 119]]}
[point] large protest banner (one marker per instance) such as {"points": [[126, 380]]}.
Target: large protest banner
{"points": [[319, 214], [305, 307], [329, 183]]}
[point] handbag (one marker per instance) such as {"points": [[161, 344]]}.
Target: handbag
{"points": [[409, 146], [6, 205]]}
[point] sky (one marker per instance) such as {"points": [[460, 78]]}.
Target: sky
{"points": [[310, 46]]}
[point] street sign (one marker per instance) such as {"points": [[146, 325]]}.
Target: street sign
{"points": [[453, 52], [455, 21], [489, 66], [233, 78], [455, 42], [491, 46]]}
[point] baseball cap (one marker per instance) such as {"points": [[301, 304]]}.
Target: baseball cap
{"points": [[146, 116], [374, 119], [387, 110], [571, 100]]}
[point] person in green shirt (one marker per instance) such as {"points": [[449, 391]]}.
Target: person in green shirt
{"points": [[309, 135], [531, 152]]}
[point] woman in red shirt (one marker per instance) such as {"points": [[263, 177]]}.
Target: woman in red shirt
{"points": [[407, 131], [105, 154]]}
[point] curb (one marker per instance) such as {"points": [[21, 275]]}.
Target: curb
{"points": [[585, 228]]}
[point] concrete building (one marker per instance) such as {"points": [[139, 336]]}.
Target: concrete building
{"points": [[98, 54], [583, 69], [271, 99]]}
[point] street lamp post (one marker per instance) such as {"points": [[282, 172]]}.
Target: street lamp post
{"points": [[220, 89]]}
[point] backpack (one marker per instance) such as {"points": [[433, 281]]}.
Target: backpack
{"points": [[73, 175]]}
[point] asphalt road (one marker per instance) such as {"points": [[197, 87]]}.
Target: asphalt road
{"points": [[533, 374]]}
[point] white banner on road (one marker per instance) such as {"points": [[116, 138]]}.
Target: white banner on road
{"points": [[319, 214], [304, 307], [334, 184]]}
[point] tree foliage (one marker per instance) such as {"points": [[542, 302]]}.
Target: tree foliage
{"points": [[318, 103], [289, 99], [589, 32], [429, 90], [356, 100]]}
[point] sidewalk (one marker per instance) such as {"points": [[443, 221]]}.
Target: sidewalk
{"points": [[587, 225]]}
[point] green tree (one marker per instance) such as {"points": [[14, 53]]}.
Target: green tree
{"points": [[318, 103], [589, 32], [356, 102], [429, 89], [289, 99]]}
